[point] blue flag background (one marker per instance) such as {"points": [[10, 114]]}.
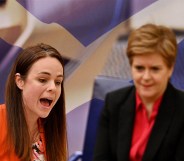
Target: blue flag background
{"points": [[91, 35]]}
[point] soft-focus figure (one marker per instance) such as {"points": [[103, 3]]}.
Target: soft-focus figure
{"points": [[32, 120], [145, 122]]}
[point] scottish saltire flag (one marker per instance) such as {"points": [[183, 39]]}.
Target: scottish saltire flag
{"points": [[85, 32], [69, 25]]}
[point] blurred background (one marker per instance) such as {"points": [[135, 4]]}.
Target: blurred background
{"points": [[91, 35]]}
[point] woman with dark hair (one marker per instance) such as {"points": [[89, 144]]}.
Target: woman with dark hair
{"points": [[145, 122], [32, 120]]}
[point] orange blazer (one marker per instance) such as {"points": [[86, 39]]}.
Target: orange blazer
{"points": [[4, 155], [7, 155]]}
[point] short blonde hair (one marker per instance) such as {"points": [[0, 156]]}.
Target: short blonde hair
{"points": [[152, 38]]}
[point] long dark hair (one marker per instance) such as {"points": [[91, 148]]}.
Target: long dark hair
{"points": [[54, 125]]}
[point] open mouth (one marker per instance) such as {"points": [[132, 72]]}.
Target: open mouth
{"points": [[46, 102]]}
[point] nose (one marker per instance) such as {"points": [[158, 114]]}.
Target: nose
{"points": [[146, 75], [51, 86]]}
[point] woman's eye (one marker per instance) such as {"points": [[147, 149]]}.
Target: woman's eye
{"points": [[58, 83], [155, 69], [42, 80], [139, 68]]}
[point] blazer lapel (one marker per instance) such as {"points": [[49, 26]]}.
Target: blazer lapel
{"points": [[126, 116], [161, 126]]}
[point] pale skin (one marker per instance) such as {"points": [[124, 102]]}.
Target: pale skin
{"points": [[151, 75], [40, 90]]}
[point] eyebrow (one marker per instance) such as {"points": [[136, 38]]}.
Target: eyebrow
{"points": [[60, 75]]}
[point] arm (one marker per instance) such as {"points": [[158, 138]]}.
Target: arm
{"points": [[102, 147], [180, 149]]}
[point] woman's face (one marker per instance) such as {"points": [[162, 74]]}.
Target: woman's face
{"points": [[150, 74], [42, 87]]}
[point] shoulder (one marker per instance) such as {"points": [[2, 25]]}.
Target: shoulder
{"points": [[121, 93], [174, 97], [175, 93], [2, 111], [3, 126], [178, 96], [2, 114], [115, 100], [2, 106]]}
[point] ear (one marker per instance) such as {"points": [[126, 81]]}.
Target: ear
{"points": [[171, 71], [19, 81]]}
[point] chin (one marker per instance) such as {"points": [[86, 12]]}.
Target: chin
{"points": [[147, 95], [44, 115]]}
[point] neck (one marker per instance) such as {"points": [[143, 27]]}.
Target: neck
{"points": [[148, 103], [149, 108], [34, 132], [32, 127]]}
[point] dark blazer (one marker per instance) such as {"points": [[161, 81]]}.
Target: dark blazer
{"points": [[166, 142]]}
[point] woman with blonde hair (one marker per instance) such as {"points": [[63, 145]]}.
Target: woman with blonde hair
{"points": [[145, 122]]}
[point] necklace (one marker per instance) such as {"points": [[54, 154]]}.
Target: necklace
{"points": [[35, 137], [38, 150]]}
